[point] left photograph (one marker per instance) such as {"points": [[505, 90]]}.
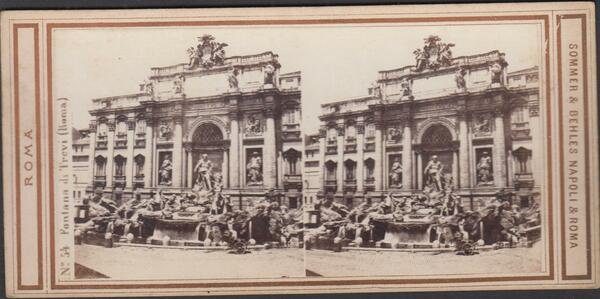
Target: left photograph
{"points": [[186, 152]]}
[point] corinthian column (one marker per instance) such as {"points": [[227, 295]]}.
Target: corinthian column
{"points": [[92, 159], [499, 159], [419, 171], [322, 174], [149, 156], [269, 158], [190, 167], [360, 160], [463, 152], [130, 161], [536, 150], [340, 157], [110, 156], [407, 157], [177, 153], [378, 158], [234, 150]]}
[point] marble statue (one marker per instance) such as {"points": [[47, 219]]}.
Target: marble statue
{"points": [[254, 169], [421, 60], [148, 88], [203, 171], [165, 171], [406, 90], [233, 80], [484, 167], [178, 84], [496, 73], [269, 74], [459, 78], [433, 173], [396, 173]]}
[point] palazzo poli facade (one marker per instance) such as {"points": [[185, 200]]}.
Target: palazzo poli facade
{"points": [[464, 122], [236, 115]]}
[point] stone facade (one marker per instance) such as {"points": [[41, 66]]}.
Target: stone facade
{"points": [[239, 111], [477, 119], [80, 159]]}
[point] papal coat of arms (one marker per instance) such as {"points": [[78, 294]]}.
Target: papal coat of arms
{"points": [[207, 53], [435, 54]]}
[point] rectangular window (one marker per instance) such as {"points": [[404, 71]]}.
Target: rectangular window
{"points": [[293, 203]]}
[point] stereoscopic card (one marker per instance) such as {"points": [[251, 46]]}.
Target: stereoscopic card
{"points": [[314, 150]]}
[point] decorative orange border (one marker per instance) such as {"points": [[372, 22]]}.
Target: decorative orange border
{"points": [[358, 281], [17, 124], [564, 274]]}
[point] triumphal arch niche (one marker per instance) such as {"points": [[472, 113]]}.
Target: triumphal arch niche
{"points": [[235, 119], [466, 123]]}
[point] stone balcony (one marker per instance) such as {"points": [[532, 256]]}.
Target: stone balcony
{"points": [[292, 181], [350, 145], [350, 185], [138, 180], [331, 185], [291, 132], [100, 181], [119, 181], [369, 144], [523, 180], [520, 130], [101, 145], [121, 143], [140, 143], [331, 150], [369, 184]]}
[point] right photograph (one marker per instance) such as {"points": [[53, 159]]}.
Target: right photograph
{"points": [[423, 153]]}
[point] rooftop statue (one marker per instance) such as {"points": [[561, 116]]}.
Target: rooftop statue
{"points": [[434, 54], [207, 53]]}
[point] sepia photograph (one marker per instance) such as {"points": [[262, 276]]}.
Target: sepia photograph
{"points": [[426, 157], [186, 152]]}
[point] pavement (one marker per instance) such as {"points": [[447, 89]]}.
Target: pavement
{"points": [[133, 263], [369, 263]]}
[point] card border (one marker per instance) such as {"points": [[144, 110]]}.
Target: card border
{"points": [[544, 18]]}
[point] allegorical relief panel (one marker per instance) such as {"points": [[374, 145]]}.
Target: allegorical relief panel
{"points": [[165, 130], [482, 124], [254, 124], [394, 133]]}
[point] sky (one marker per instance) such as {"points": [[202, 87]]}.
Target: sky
{"points": [[336, 61]]}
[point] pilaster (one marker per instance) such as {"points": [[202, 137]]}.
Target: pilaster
{"points": [[129, 175], [177, 153], [536, 150], [190, 167], [360, 147], [269, 158], [110, 155], [419, 171], [340, 157], [407, 157], [378, 157], [463, 152], [234, 150], [499, 159], [92, 157], [149, 156]]}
